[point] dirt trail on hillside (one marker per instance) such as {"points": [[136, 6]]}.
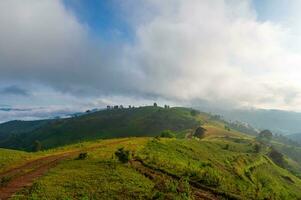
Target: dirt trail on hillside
{"points": [[23, 176], [199, 192], [18, 178], [158, 176]]}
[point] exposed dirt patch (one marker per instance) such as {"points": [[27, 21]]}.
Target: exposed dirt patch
{"points": [[23, 176]]}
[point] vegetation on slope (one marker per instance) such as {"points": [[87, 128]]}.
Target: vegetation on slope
{"points": [[221, 163], [113, 123], [228, 167]]}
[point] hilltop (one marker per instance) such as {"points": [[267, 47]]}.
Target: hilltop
{"points": [[110, 123]]}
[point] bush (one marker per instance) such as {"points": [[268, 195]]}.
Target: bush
{"points": [[200, 132], [277, 157], [123, 156], [82, 156], [227, 128], [257, 148], [167, 134]]}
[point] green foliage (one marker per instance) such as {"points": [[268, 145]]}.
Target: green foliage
{"points": [[111, 123], [227, 128], [11, 158], [277, 157], [172, 189], [194, 112], [200, 132], [123, 156], [265, 136], [167, 134]]}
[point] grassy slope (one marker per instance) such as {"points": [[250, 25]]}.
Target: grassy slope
{"points": [[226, 164], [224, 161], [145, 121], [11, 158]]}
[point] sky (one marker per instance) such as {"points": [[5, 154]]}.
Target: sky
{"points": [[64, 56]]}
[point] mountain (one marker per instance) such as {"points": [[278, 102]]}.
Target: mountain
{"points": [[112, 123], [295, 137], [202, 156], [19, 127], [278, 121]]}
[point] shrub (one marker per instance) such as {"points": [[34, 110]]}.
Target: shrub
{"points": [[82, 156], [167, 134], [37, 146], [257, 148], [277, 157], [227, 128], [123, 155], [200, 132]]}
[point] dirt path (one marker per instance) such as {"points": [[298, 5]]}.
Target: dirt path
{"points": [[24, 176], [157, 176], [17, 178]]}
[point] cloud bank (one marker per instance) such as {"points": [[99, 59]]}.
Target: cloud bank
{"points": [[182, 51]]}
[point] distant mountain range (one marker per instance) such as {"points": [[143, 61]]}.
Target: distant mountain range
{"points": [[278, 121]]}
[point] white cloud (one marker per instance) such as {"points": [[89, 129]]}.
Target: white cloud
{"points": [[215, 51], [183, 51]]}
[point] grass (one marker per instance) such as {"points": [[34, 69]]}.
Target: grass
{"points": [[227, 165], [11, 158], [116, 123], [226, 162], [233, 171]]}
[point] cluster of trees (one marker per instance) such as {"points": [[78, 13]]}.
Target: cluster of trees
{"points": [[119, 107], [129, 107], [165, 106]]}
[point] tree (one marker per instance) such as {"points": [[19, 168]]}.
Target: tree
{"points": [[194, 112], [37, 146], [167, 134], [200, 132], [257, 148], [155, 104], [264, 136], [277, 157]]}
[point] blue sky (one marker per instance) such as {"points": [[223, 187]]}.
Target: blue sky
{"points": [[77, 54], [104, 17]]}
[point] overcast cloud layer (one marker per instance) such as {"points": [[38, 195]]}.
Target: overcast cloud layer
{"points": [[183, 51]]}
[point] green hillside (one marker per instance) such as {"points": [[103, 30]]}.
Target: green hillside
{"points": [[224, 167], [144, 121], [220, 163]]}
